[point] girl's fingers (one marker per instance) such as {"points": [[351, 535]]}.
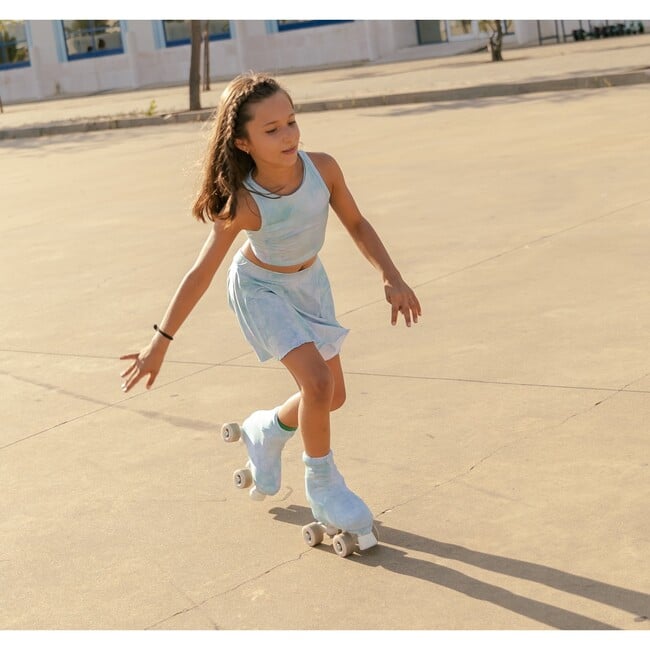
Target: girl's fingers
{"points": [[417, 310], [126, 384], [130, 382], [126, 357], [152, 378], [405, 303], [404, 308], [127, 371], [131, 377]]}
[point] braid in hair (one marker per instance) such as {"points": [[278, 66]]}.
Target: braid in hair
{"points": [[226, 167]]}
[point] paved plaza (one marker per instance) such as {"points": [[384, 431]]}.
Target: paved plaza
{"points": [[502, 443]]}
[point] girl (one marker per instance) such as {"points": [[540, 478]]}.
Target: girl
{"points": [[256, 179]]}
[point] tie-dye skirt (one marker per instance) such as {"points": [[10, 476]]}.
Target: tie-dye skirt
{"points": [[278, 312]]}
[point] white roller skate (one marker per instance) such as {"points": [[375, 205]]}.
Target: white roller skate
{"points": [[339, 512], [264, 439]]}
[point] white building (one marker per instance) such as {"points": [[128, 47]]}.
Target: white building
{"points": [[42, 59]]}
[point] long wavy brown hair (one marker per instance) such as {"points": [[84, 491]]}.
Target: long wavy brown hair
{"points": [[226, 167]]}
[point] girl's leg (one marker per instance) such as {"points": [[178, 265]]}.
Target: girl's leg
{"points": [[266, 432], [317, 382], [332, 502], [288, 412]]}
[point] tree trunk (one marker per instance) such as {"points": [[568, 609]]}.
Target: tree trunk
{"points": [[195, 65], [206, 56], [496, 41]]}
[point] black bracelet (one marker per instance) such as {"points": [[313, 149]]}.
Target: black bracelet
{"points": [[167, 336]]}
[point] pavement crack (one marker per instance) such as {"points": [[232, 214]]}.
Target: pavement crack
{"points": [[506, 252], [194, 606], [102, 357], [495, 382], [169, 618], [258, 576], [199, 605], [463, 380], [516, 441], [104, 405], [623, 389]]}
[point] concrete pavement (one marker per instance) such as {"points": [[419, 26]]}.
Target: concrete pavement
{"points": [[501, 443], [414, 75]]}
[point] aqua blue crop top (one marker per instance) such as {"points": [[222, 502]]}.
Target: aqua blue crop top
{"points": [[293, 225]]}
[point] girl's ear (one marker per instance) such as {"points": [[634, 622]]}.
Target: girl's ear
{"points": [[241, 145]]}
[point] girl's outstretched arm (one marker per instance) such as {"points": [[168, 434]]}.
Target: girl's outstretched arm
{"points": [[195, 283], [399, 295]]}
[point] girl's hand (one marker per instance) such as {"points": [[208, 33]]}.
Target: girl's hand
{"points": [[402, 299], [145, 362]]}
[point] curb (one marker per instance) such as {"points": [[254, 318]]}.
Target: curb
{"points": [[105, 125], [481, 92], [451, 94]]}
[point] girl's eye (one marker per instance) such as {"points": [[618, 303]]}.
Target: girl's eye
{"points": [[275, 129]]}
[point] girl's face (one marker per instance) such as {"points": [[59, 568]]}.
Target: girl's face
{"points": [[272, 135]]}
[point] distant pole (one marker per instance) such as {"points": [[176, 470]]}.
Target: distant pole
{"points": [[206, 56], [195, 65]]}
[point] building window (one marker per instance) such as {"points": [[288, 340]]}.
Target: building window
{"points": [[488, 26], [458, 30], [287, 25], [89, 38], [461, 28], [14, 51], [177, 32]]}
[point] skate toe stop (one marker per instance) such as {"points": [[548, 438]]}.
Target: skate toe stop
{"points": [[367, 541], [256, 495]]}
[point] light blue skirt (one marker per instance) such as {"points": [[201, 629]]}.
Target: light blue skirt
{"points": [[278, 312]]}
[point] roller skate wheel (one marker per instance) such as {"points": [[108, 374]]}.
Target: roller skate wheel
{"points": [[312, 534], [230, 432], [343, 544], [243, 478]]}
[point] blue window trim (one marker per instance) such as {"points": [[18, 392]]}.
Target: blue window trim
{"points": [[306, 24], [21, 64], [13, 66], [95, 53], [187, 41]]}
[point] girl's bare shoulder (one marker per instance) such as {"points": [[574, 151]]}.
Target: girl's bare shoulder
{"points": [[326, 165], [248, 215]]}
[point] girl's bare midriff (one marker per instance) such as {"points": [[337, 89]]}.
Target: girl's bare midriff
{"points": [[247, 252]]}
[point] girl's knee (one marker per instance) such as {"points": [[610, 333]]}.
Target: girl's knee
{"points": [[319, 384]]}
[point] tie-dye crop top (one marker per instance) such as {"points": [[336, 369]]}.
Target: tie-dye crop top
{"points": [[293, 225]]}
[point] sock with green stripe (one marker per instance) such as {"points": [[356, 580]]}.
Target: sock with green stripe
{"points": [[282, 425]]}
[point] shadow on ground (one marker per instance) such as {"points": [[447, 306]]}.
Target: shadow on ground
{"points": [[398, 561]]}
